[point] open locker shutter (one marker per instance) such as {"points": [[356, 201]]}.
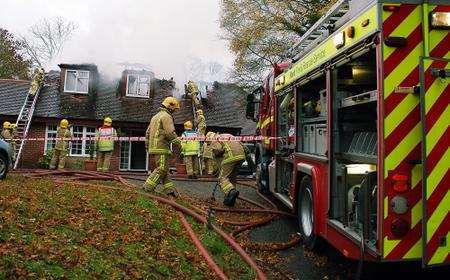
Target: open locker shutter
{"points": [[435, 96]]}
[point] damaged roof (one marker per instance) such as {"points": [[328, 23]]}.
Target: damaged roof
{"points": [[224, 106]]}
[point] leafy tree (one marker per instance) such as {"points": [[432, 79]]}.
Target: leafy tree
{"points": [[260, 32], [12, 63]]}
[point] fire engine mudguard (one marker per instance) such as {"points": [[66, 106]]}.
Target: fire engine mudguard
{"points": [[305, 210]]}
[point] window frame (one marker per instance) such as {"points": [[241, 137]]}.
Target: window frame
{"points": [[47, 131], [84, 150], [138, 88], [76, 87]]}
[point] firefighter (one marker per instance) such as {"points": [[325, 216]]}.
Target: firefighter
{"points": [[160, 134], [38, 78], [8, 134], [193, 92], [105, 145], [60, 151], [190, 150], [233, 154], [210, 162], [201, 122]]}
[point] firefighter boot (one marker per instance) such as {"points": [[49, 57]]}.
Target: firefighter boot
{"points": [[230, 197]]}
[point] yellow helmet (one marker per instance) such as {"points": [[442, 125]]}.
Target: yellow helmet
{"points": [[188, 125], [64, 123], [107, 121], [171, 103], [199, 112], [6, 125]]}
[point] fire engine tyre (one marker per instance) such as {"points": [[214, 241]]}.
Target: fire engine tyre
{"points": [[3, 166], [306, 212]]}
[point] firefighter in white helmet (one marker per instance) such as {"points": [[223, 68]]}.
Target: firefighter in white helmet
{"points": [[160, 134], [8, 134], [63, 135], [190, 150], [105, 144]]}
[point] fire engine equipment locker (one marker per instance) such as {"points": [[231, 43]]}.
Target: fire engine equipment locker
{"points": [[321, 139]]}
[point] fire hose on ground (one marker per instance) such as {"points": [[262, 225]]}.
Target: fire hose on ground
{"points": [[242, 225], [236, 247]]}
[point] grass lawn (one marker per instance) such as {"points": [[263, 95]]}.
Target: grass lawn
{"points": [[65, 231]]}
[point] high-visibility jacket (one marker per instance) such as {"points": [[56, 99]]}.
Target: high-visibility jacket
{"points": [[105, 145], [62, 145], [190, 147], [160, 133], [231, 151]]}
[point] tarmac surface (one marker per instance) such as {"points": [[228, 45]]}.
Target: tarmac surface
{"points": [[324, 262]]}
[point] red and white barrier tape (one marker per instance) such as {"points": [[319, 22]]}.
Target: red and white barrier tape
{"points": [[246, 138]]}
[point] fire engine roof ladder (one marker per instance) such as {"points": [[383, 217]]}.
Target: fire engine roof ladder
{"points": [[324, 25], [24, 120]]}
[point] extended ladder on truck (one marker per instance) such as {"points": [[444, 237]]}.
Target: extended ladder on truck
{"points": [[24, 121]]}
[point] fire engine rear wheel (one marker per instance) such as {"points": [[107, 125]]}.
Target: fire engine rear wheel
{"points": [[306, 212]]}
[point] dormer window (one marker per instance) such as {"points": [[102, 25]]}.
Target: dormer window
{"points": [[138, 85], [76, 81]]}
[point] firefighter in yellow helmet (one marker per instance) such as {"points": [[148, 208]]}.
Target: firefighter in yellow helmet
{"points": [[62, 145], [232, 154], [105, 144], [8, 134], [190, 150], [160, 134]]}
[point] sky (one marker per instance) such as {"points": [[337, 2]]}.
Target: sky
{"points": [[165, 34]]}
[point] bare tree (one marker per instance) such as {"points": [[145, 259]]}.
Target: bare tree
{"points": [[46, 39]]}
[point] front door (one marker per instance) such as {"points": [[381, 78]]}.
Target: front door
{"points": [[435, 96], [138, 156]]}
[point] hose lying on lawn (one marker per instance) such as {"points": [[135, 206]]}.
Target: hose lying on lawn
{"points": [[236, 247], [209, 260]]}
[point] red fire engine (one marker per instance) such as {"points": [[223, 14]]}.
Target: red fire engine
{"points": [[357, 131]]}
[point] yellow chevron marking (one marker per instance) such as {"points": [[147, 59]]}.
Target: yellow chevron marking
{"points": [[416, 175], [404, 29], [435, 220], [415, 251], [386, 207], [389, 245], [402, 70], [436, 36], [403, 149], [438, 173], [441, 253], [433, 93], [438, 130], [416, 213], [394, 119]]}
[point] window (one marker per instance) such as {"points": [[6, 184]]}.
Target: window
{"points": [[77, 81], [50, 132], [81, 147], [138, 85]]}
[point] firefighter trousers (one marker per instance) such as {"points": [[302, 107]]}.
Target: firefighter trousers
{"points": [[159, 174], [58, 159], [227, 175], [210, 166], [191, 163], [103, 160]]}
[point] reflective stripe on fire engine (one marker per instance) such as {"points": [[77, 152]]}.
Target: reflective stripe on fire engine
{"points": [[266, 122], [403, 130]]}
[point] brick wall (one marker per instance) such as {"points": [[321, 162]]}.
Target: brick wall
{"points": [[33, 150]]}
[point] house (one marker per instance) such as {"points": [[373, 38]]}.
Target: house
{"points": [[79, 93]]}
